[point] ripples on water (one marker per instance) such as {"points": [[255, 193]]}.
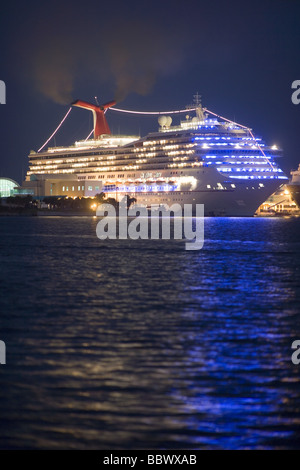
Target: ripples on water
{"points": [[141, 344]]}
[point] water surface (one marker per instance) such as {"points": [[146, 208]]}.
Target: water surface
{"points": [[125, 344]]}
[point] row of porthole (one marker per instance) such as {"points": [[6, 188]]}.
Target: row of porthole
{"points": [[80, 188]]}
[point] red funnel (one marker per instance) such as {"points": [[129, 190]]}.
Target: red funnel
{"points": [[100, 123]]}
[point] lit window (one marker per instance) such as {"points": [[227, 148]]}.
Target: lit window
{"points": [[90, 188], [67, 188], [73, 189], [82, 187], [78, 188], [63, 188]]}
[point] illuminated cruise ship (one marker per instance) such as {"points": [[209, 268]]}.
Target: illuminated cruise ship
{"points": [[204, 159]]}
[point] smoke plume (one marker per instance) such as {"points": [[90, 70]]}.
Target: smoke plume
{"points": [[53, 72], [138, 55], [130, 54]]}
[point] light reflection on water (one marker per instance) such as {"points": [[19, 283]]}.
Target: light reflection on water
{"points": [[141, 344]]}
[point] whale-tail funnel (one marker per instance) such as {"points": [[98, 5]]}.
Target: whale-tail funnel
{"points": [[100, 123]]}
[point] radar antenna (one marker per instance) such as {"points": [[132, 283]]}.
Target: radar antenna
{"points": [[197, 99], [197, 106]]}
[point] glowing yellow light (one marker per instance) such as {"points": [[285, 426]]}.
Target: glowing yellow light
{"points": [[93, 206]]}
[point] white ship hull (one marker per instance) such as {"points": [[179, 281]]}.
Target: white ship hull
{"points": [[234, 198]]}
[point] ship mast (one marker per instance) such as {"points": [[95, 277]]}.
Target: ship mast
{"points": [[197, 106]]}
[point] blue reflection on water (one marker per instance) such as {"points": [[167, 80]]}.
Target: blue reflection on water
{"points": [[141, 344]]}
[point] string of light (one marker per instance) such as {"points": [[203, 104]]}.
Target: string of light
{"points": [[225, 119], [248, 129], [92, 129], [152, 112], [262, 150], [89, 135], [158, 113], [193, 109], [53, 134]]}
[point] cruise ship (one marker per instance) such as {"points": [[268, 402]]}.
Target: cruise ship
{"points": [[202, 158]]}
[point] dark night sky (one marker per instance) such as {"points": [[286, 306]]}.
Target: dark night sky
{"points": [[242, 57]]}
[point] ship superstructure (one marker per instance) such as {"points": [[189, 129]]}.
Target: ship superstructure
{"points": [[202, 159]]}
